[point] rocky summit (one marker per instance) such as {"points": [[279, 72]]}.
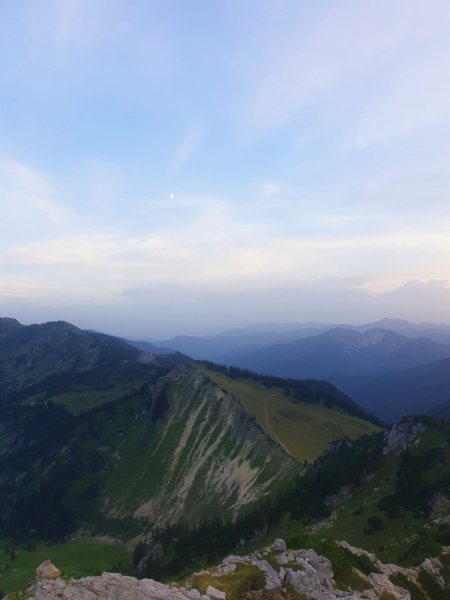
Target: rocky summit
{"points": [[283, 573]]}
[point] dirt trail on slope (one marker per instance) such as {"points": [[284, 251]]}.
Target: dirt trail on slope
{"points": [[275, 437]]}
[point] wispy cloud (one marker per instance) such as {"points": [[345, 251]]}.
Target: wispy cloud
{"points": [[33, 205], [393, 50], [306, 145], [187, 146]]}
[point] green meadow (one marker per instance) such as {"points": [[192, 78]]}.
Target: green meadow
{"points": [[80, 557], [303, 430]]}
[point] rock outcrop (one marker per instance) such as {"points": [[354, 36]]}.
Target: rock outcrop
{"points": [[301, 573], [404, 433], [381, 581]]}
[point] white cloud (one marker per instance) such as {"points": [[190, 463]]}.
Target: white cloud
{"points": [[213, 244]]}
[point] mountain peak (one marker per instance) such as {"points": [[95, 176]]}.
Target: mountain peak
{"points": [[7, 324]]}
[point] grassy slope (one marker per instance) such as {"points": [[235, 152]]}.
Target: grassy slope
{"points": [[81, 370], [205, 456], [84, 398], [304, 430], [77, 558], [397, 535]]}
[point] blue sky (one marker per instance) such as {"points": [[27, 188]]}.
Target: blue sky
{"points": [[185, 167]]}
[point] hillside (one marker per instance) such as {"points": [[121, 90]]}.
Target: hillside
{"points": [[394, 394], [409, 495], [343, 351], [59, 362], [206, 455], [339, 498], [303, 428], [139, 439], [193, 459], [177, 447], [386, 496]]}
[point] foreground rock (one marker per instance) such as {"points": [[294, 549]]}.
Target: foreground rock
{"points": [[109, 586], [287, 573]]}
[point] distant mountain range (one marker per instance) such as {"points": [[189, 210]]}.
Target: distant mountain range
{"points": [[397, 325], [390, 367], [343, 351], [396, 393], [228, 346], [377, 364]]}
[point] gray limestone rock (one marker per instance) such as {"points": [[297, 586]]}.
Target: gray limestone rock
{"points": [[403, 433], [109, 586], [214, 594], [279, 545], [272, 579], [315, 579], [282, 559], [223, 569], [382, 584]]}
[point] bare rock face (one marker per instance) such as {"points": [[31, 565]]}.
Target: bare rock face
{"points": [[47, 571], [147, 358], [403, 433]]}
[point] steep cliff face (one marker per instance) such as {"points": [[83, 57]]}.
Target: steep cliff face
{"points": [[206, 456]]}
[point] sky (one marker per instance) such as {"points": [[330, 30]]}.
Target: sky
{"points": [[173, 167]]}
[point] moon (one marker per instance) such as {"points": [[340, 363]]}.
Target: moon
{"points": [[171, 195]]}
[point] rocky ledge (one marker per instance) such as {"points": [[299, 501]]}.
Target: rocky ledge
{"points": [[287, 573]]}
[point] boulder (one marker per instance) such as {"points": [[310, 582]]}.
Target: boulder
{"points": [[214, 594], [47, 571], [279, 545], [316, 578], [272, 580]]}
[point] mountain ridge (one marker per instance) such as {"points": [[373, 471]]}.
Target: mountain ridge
{"points": [[344, 350]]}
